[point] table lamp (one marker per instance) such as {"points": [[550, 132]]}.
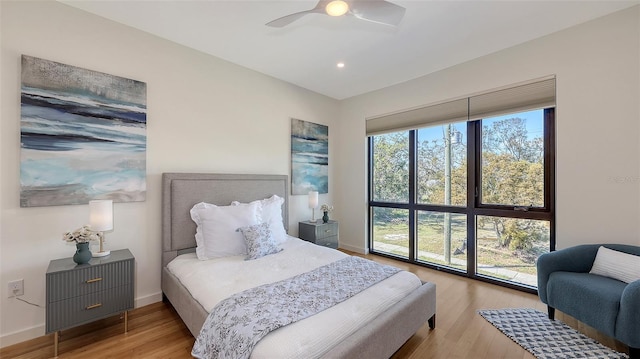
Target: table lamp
{"points": [[313, 203], [100, 220]]}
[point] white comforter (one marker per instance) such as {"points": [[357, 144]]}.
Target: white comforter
{"points": [[211, 281]]}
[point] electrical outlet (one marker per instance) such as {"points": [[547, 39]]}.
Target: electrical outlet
{"points": [[15, 288]]}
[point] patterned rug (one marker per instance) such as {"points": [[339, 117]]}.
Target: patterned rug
{"points": [[544, 338]]}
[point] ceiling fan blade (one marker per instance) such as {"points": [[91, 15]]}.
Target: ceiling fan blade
{"points": [[288, 19], [380, 11]]}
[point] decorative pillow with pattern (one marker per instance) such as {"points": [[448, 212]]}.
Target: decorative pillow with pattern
{"points": [[259, 240]]}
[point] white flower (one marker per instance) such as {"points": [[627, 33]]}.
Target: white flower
{"points": [[80, 235], [326, 208]]}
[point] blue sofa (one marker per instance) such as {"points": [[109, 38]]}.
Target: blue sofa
{"points": [[608, 305]]}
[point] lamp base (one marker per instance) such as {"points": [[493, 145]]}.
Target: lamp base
{"points": [[100, 254]]}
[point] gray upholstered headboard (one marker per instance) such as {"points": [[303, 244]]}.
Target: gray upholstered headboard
{"points": [[180, 191]]}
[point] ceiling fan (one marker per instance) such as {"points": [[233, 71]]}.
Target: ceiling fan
{"points": [[379, 11]]}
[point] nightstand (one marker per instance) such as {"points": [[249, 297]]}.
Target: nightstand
{"points": [[322, 234], [79, 294]]}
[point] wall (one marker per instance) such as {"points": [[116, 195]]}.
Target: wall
{"points": [[598, 153], [204, 115]]}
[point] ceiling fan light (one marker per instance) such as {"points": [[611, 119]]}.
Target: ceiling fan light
{"points": [[337, 8]]}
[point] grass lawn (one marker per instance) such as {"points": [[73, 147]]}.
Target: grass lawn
{"points": [[431, 239]]}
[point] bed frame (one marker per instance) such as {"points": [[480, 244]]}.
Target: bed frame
{"points": [[180, 191]]}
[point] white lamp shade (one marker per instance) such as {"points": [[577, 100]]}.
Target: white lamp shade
{"points": [[313, 199], [101, 215]]}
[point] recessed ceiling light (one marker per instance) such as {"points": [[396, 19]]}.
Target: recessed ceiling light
{"points": [[340, 65]]}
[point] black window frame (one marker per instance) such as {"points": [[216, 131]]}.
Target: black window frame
{"points": [[474, 206]]}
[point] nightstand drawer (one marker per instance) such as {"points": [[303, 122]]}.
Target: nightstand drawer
{"points": [[326, 230], [322, 234], [331, 242], [82, 281], [83, 309]]}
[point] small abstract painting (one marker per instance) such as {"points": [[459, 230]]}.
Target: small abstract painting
{"points": [[83, 135], [309, 157]]}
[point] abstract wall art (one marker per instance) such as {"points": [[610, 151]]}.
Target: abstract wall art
{"points": [[309, 157], [83, 135]]}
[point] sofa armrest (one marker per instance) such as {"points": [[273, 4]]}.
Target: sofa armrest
{"points": [[628, 321], [574, 259]]}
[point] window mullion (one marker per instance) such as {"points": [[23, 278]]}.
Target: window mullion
{"points": [[370, 193], [473, 174], [412, 194], [549, 171]]}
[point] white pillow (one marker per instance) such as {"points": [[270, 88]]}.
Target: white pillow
{"points": [[216, 234], [271, 212], [622, 266]]}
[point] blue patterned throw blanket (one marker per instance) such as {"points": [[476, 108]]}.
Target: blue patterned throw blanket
{"points": [[236, 324]]}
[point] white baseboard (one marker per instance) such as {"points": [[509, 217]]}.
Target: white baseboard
{"points": [[38, 330], [22, 336], [354, 249], [149, 299]]}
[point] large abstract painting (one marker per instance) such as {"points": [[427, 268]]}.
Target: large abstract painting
{"points": [[309, 157], [83, 135]]}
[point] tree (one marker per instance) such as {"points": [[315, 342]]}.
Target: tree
{"points": [[510, 136], [512, 174], [391, 167], [509, 182], [431, 172]]}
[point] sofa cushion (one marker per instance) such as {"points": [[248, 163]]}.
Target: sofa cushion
{"points": [[591, 299]]}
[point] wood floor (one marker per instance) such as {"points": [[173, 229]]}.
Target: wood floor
{"points": [[156, 331]]}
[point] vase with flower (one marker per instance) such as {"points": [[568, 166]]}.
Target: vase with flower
{"points": [[81, 236], [325, 208]]}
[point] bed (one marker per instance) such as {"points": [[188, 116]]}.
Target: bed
{"points": [[378, 338]]}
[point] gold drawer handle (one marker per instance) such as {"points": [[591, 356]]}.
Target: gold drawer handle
{"points": [[94, 280], [94, 306]]}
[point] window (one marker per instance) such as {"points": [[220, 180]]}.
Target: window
{"points": [[512, 181], [391, 168], [513, 160], [474, 197], [442, 165]]}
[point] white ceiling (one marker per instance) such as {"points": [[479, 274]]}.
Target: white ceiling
{"points": [[433, 35]]}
